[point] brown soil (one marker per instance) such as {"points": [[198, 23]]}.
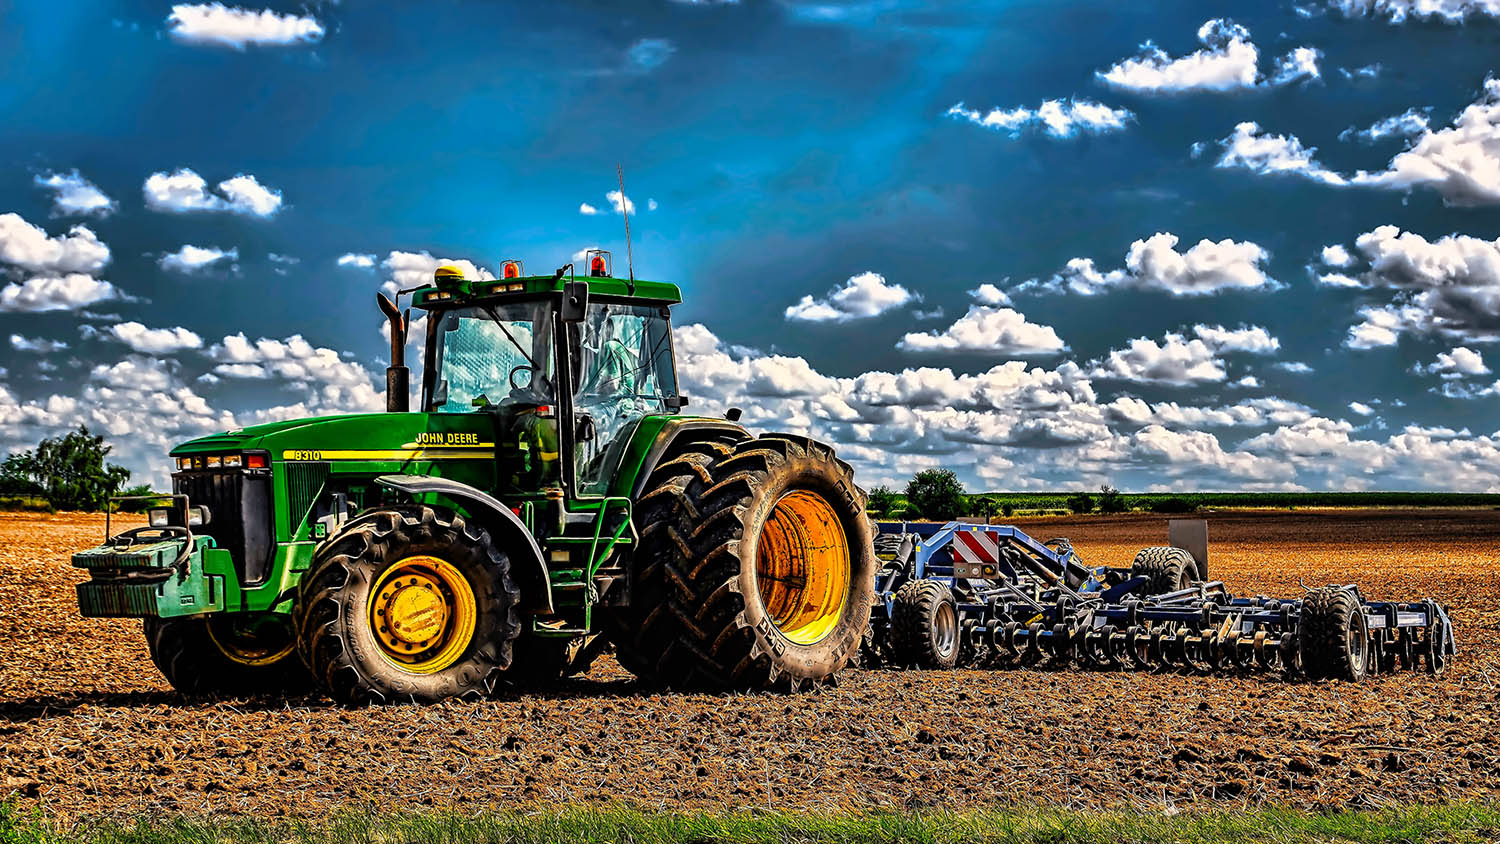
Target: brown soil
{"points": [[87, 726]]}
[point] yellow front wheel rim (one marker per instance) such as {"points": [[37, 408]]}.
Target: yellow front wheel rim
{"points": [[802, 567], [423, 612]]}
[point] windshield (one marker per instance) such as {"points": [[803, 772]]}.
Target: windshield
{"points": [[491, 355]]}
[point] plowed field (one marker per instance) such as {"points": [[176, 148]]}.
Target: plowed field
{"points": [[87, 727]]}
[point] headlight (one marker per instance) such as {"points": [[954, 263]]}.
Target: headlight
{"points": [[184, 463], [214, 460], [232, 461]]}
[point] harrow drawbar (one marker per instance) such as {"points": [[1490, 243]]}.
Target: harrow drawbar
{"points": [[992, 597]]}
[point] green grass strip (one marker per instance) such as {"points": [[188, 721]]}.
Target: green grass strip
{"points": [[1459, 823]]}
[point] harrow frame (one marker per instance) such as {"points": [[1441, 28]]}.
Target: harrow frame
{"points": [[1021, 602]]}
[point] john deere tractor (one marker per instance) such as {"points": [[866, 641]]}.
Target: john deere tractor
{"points": [[547, 499]]}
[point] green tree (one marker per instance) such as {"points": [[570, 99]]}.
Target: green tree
{"points": [[1110, 500], [1081, 502], [15, 476], [882, 501], [936, 494], [68, 471]]}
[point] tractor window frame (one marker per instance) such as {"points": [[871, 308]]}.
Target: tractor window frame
{"points": [[568, 385]]}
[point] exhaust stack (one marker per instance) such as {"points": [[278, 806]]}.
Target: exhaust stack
{"points": [[397, 375]]}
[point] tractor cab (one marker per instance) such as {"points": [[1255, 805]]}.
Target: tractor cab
{"points": [[564, 383]]}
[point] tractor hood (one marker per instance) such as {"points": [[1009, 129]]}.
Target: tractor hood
{"points": [[359, 436], [271, 434]]}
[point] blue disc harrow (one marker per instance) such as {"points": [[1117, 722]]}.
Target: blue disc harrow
{"points": [[990, 596]]}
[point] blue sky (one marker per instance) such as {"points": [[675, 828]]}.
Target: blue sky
{"points": [[1046, 244]]}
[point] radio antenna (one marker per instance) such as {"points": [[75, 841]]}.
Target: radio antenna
{"points": [[625, 212]]}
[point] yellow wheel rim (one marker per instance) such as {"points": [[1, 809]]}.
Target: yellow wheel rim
{"points": [[802, 567], [422, 610], [251, 640]]}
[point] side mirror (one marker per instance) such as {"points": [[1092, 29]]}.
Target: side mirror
{"points": [[199, 515], [575, 301]]}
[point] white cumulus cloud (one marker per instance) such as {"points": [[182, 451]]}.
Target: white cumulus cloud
{"points": [[56, 293], [862, 296], [1250, 148], [1460, 162], [1449, 287], [73, 195], [184, 190], [153, 341], [987, 328], [1155, 264], [1460, 362], [219, 25], [29, 247], [1399, 11], [39, 345], [1229, 61], [358, 260], [191, 259], [1058, 118]]}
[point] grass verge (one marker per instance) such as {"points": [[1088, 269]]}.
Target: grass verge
{"points": [[1458, 822]]}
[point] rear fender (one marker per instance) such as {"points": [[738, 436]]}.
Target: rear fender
{"points": [[677, 433], [503, 524]]}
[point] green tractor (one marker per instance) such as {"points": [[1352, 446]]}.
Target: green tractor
{"points": [[548, 499]]}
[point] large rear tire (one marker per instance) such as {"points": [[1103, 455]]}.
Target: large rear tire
{"points": [[408, 603], [756, 568], [227, 654], [1166, 569]]}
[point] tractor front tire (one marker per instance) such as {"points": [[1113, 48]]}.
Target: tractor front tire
{"points": [[227, 654], [1334, 636], [408, 603], [924, 625], [1166, 569], [756, 568]]}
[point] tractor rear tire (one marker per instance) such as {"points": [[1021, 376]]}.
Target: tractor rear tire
{"points": [[924, 625], [756, 568], [227, 654], [1166, 569], [1334, 636], [392, 576]]}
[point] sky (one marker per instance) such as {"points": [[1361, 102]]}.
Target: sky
{"points": [[1045, 244]]}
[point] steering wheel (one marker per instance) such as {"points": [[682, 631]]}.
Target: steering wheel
{"points": [[525, 392], [530, 372]]}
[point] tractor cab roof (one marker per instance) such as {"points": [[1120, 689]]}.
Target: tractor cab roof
{"points": [[445, 289]]}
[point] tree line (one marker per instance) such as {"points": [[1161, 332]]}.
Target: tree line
{"points": [[937, 495], [69, 472]]}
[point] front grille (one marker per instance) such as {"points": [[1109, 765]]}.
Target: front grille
{"points": [[303, 483], [240, 520]]}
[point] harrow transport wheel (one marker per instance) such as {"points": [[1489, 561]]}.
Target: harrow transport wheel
{"points": [[227, 653], [924, 625], [1334, 639], [407, 603], [1165, 569], [756, 568]]}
